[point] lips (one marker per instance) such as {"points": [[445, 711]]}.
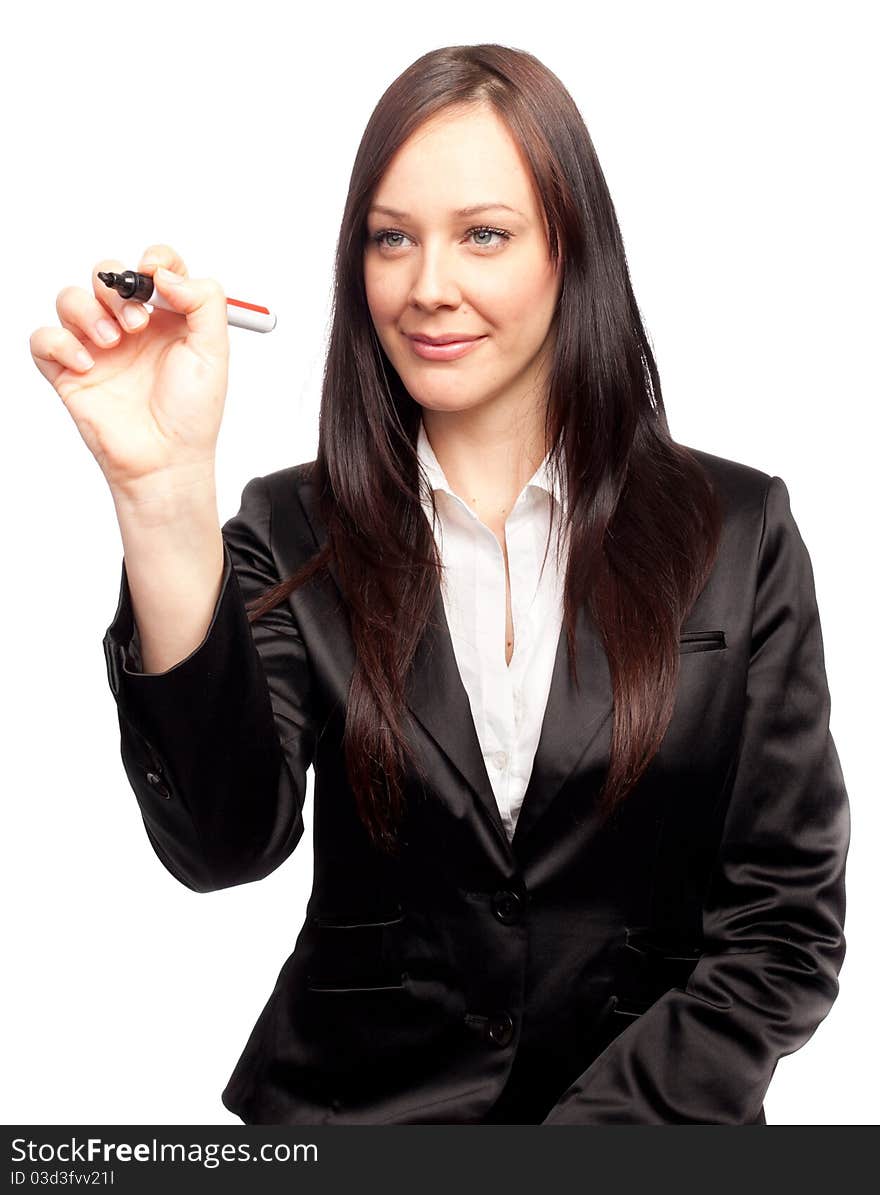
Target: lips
{"points": [[446, 350], [451, 338]]}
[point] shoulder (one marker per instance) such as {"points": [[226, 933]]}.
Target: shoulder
{"points": [[758, 522], [742, 489], [283, 490], [284, 505], [282, 482], [731, 477]]}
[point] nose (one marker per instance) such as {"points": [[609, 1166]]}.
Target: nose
{"points": [[434, 283]]}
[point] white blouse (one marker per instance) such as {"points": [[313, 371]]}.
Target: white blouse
{"points": [[507, 702]]}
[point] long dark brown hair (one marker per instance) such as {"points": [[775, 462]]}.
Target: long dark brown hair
{"points": [[641, 519]]}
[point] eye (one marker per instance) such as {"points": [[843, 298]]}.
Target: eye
{"points": [[495, 232], [379, 238]]}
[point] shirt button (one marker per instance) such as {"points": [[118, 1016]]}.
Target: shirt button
{"points": [[500, 759]]}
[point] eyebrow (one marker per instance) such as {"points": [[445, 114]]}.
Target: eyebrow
{"points": [[463, 212]]}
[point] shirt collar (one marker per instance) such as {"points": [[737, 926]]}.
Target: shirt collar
{"points": [[437, 478]]}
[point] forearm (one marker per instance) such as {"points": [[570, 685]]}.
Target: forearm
{"points": [[217, 748], [173, 550]]}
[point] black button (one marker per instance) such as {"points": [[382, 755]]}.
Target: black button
{"points": [[507, 906], [499, 1029], [158, 784]]}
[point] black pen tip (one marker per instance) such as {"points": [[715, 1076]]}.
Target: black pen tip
{"points": [[106, 277]]}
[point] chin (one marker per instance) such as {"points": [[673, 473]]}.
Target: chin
{"points": [[432, 403]]}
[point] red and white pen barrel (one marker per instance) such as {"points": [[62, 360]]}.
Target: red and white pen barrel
{"points": [[238, 313]]}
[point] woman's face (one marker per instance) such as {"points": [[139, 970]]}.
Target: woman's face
{"points": [[431, 273]]}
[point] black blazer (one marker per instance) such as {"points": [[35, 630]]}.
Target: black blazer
{"points": [[649, 972]]}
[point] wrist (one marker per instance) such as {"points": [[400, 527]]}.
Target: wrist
{"points": [[163, 499]]}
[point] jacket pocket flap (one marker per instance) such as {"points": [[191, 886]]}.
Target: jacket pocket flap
{"points": [[348, 955], [701, 641]]}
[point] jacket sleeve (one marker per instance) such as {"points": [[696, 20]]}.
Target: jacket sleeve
{"points": [[217, 748], [774, 912]]}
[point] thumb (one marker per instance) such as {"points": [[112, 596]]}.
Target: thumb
{"points": [[203, 302]]}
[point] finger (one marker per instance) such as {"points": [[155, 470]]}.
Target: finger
{"points": [[81, 313], [203, 302], [161, 255], [55, 349], [134, 317]]}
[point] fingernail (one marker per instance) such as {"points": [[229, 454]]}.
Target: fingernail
{"points": [[107, 331], [84, 360], [169, 275], [134, 316]]}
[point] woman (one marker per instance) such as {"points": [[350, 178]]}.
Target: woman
{"points": [[580, 827]]}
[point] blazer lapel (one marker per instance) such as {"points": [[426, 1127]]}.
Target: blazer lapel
{"points": [[437, 697], [573, 718]]}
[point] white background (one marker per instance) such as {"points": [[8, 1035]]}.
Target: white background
{"points": [[739, 145]]}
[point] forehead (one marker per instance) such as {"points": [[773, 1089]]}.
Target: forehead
{"points": [[456, 159]]}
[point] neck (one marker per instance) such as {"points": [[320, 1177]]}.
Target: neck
{"points": [[487, 456]]}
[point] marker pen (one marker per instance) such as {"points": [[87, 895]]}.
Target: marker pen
{"points": [[139, 287]]}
